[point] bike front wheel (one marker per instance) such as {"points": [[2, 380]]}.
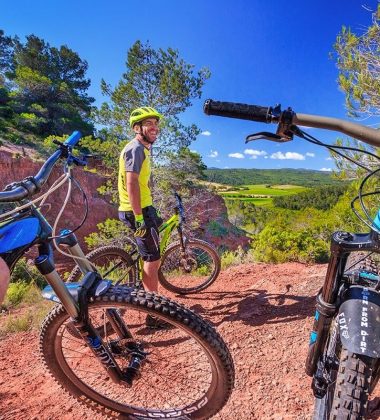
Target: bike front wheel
{"points": [[187, 373], [190, 269]]}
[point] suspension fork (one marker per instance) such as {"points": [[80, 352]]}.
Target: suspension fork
{"points": [[326, 303], [181, 238], [78, 311], [70, 243]]}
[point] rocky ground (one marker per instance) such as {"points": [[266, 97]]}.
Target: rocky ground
{"points": [[264, 313]]}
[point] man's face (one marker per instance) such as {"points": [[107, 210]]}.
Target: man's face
{"points": [[150, 128]]}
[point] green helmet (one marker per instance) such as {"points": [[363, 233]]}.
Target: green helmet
{"points": [[140, 114]]}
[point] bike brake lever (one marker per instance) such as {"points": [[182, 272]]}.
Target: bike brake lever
{"points": [[78, 161], [264, 135]]}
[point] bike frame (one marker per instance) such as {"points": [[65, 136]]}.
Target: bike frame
{"points": [[166, 230], [28, 227]]}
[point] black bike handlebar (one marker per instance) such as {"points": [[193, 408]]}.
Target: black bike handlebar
{"points": [[275, 115], [31, 185], [236, 110]]}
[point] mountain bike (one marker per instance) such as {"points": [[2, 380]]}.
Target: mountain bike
{"points": [[96, 342], [188, 265], [344, 352]]}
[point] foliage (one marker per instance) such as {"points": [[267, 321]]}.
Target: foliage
{"points": [[43, 89], [157, 78], [239, 256], [358, 60], [28, 318], [321, 198], [179, 171], [216, 228], [281, 234], [26, 273], [238, 177], [357, 57], [294, 236], [16, 293], [111, 231]]}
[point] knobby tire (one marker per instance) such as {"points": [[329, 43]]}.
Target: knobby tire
{"points": [[188, 372], [352, 386], [191, 273]]}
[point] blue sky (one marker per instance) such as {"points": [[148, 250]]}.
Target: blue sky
{"points": [[259, 52]]}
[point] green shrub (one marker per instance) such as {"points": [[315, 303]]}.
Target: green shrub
{"points": [[26, 272], [111, 231], [16, 293], [236, 257], [216, 229]]}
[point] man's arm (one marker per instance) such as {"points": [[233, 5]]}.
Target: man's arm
{"points": [[133, 190]]}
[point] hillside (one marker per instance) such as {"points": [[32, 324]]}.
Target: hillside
{"points": [[264, 313], [301, 177]]}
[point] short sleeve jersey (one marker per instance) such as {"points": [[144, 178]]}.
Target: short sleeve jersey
{"points": [[134, 158]]}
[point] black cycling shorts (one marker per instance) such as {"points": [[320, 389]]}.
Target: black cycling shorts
{"points": [[149, 245]]}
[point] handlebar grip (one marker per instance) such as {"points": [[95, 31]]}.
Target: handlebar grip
{"points": [[237, 110], [73, 139]]}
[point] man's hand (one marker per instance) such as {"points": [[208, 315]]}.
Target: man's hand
{"points": [[141, 228]]}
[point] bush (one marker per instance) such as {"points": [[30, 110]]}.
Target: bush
{"points": [[25, 272], [111, 231], [16, 293], [237, 257], [216, 229]]}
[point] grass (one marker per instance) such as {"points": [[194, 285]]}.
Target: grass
{"points": [[237, 257], [25, 310], [260, 195]]}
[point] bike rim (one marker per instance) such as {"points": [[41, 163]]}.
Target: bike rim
{"points": [[178, 371], [189, 270]]}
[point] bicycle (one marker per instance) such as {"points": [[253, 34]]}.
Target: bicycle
{"points": [[188, 265], [344, 354], [95, 341]]}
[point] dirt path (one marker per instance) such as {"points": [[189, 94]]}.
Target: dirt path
{"points": [[264, 313]]}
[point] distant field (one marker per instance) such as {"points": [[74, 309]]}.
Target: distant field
{"points": [[262, 202], [260, 195]]}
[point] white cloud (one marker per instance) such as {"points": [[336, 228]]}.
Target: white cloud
{"points": [[326, 169], [254, 153], [236, 155], [287, 156], [193, 151], [329, 158], [206, 133], [310, 154], [213, 154]]}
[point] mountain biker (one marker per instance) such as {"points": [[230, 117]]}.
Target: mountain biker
{"points": [[136, 206], [4, 279]]}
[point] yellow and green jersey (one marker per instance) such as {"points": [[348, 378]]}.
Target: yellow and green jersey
{"points": [[135, 157]]}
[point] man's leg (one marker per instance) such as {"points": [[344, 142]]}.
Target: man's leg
{"points": [[150, 275], [4, 279]]}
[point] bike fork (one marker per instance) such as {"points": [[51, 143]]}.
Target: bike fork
{"points": [[325, 306], [182, 241], [79, 313]]}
